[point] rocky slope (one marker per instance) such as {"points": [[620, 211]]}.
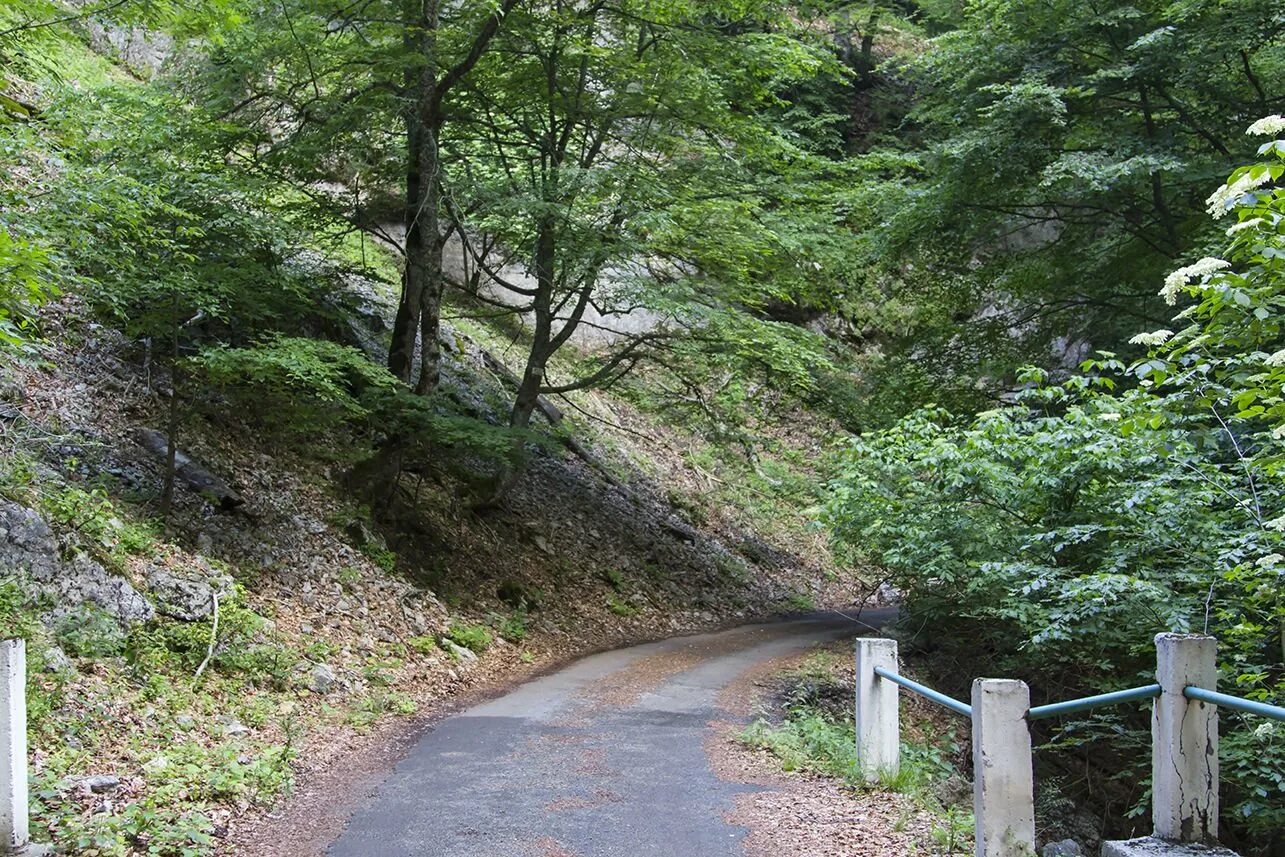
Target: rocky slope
{"points": [[156, 729]]}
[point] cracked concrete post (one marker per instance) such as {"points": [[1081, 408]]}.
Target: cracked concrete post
{"points": [[878, 724], [1184, 741], [1003, 777], [13, 746]]}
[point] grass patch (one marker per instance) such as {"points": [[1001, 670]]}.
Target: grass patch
{"points": [[620, 606], [512, 627], [816, 734], [476, 638], [808, 741]]}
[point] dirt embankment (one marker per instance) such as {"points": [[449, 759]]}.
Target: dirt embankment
{"points": [[363, 616]]}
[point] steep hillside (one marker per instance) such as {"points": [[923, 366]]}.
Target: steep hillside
{"points": [[332, 620], [303, 590]]}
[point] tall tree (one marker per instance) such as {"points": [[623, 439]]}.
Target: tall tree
{"points": [[348, 101], [613, 152]]}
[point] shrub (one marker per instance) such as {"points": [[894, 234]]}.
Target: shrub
{"points": [[620, 606], [1059, 534], [90, 632], [512, 627], [476, 638], [423, 645], [24, 285], [299, 386]]}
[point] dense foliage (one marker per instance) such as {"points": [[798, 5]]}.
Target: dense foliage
{"points": [[1059, 533], [853, 209], [1065, 146]]}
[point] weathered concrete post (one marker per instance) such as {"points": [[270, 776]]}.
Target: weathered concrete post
{"points": [[878, 723], [1184, 741], [1003, 776], [13, 746]]}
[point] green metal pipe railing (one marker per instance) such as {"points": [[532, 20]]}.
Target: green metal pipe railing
{"points": [[1071, 706], [1249, 706], [923, 690]]}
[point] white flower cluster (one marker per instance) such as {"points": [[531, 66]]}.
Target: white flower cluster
{"points": [[1243, 225], [1267, 126], [1179, 278], [1277, 359], [1265, 731], [1222, 200], [1155, 337]]}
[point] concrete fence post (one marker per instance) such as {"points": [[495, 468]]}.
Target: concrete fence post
{"points": [[13, 746], [1003, 776], [1184, 741], [878, 723]]}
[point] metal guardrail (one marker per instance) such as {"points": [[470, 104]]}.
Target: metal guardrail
{"points": [[1101, 700], [927, 692], [1071, 706], [1184, 739], [1249, 706]]}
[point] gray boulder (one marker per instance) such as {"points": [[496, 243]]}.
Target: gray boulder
{"points": [[56, 660], [98, 784], [457, 651], [188, 596], [1065, 848], [30, 553], [84, 581], [1150, 846], [321, 679]]}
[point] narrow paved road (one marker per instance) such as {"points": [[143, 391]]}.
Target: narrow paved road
{"points": [[605, 758]]}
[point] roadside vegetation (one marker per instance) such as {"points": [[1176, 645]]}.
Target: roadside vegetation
{"points": [[809, 728], [1062, 532], [500, 329]]}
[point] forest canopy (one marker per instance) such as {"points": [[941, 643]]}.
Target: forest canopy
{"points": [[1023, 256]]}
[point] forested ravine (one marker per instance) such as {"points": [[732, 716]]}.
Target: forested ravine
{"points": [[357, 356]]}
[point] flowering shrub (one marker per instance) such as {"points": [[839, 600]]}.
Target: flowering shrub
{"points": [[1058, 534]]}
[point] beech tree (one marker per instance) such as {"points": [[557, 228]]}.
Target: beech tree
{"points": [[613, 152], [347, 101]]}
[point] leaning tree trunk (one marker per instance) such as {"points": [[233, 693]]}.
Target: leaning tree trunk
{"points": [[401, 353], [528, 396]]}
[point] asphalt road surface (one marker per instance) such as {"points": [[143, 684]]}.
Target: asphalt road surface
{"points": [[604, 758]]}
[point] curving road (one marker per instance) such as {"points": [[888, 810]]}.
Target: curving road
{"points": [[604, 758]]}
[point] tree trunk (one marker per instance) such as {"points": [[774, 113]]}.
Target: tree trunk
{"points": [[528, 396], [866, 65], [423, 273], [171, 442], [430, 368], [401, 353]]}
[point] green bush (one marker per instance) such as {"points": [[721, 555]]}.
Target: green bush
{"points": [[512, 627], [1056, 536], [299, 386], [620, 606], [103, 527], [24, 285], [476, 638], [423, 645], [90, 632]]}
